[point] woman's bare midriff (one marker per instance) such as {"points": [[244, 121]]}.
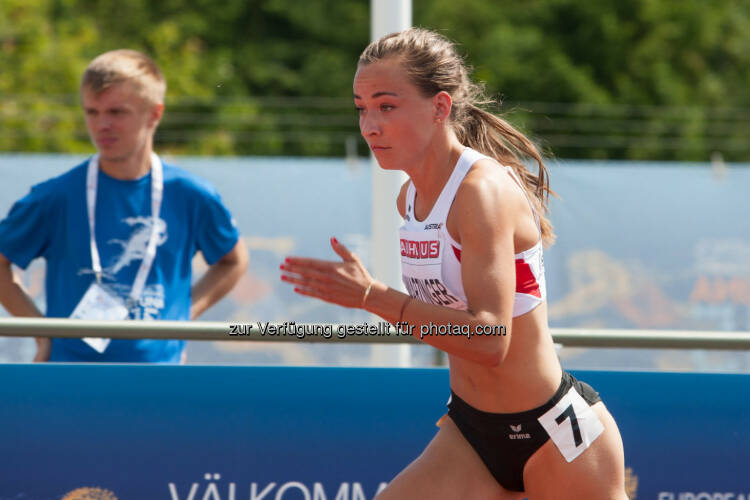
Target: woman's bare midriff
{"points": [[527, 378]]}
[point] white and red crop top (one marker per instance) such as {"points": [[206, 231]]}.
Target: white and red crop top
{"points": [[431, 258]]}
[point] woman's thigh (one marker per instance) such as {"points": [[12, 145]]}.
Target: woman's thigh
{"points": [[597, 473], [448, 469]]}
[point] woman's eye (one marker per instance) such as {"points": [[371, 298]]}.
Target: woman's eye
{"points": [[387, 107]]}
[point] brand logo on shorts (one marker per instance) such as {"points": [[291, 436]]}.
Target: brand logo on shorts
{"points": [[518, 434]]}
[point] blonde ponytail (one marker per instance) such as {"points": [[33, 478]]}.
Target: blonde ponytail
{"points": [[491, 135]]}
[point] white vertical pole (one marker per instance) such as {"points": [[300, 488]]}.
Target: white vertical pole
{"points": [[387, 16]]}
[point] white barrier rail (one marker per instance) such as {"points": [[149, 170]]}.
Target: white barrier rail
{"points": [[381, 332]]}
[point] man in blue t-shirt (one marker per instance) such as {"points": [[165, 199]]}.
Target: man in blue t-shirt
{"points": [[119, 231]]}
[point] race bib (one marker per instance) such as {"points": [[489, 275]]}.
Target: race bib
{"points": [[100, 305], [572, 425]]}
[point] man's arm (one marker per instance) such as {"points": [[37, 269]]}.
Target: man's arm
{"points": [[17, 302], [13, 297], [219, 279]]}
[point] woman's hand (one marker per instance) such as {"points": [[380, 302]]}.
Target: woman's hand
{"points": [[346, 283]]}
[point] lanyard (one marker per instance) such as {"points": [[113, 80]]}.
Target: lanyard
{"points": [[157, 189]]}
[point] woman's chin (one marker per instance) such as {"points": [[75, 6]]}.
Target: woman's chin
{"points": [[387, 163]]}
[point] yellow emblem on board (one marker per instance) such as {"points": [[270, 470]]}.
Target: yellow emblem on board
{"points": [[631, 483], [90, 494]]}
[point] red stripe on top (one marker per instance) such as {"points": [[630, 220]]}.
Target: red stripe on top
{"points": [[525, 280]]}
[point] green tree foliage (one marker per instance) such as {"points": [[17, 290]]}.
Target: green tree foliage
{"points": [[650, 79], [636, 79]]}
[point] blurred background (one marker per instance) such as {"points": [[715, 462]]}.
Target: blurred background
{"points": [[641, 106]]}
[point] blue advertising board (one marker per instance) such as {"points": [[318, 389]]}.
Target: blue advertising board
{"points": [[283, 433]]}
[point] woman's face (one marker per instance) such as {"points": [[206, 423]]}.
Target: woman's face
{"points": [[397, 122]]}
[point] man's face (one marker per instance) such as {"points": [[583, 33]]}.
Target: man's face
{"points": [[120, 122]]}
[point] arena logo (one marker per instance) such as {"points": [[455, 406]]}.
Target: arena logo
{"points": [[291, 490], [687, 495], [420, 249]]}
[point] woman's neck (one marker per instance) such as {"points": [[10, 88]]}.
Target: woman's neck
{"points": [[431, 174]]}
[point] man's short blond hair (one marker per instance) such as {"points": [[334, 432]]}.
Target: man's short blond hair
{"points": [[119, 66]]}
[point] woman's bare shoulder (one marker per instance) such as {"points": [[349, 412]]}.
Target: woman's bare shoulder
{"points": [[488, 191]]}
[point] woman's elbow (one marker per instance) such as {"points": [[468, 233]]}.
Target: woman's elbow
{"points": [[493, 353], [493, 338], [492, 358]]}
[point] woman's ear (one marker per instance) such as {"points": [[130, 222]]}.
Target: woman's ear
{"points": [[442, 103]]}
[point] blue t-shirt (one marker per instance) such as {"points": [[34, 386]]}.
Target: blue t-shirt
{"points": [[51, 222]]}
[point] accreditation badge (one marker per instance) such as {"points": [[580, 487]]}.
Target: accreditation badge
{"points": [[100, 305]]}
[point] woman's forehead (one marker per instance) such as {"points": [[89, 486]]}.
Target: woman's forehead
{"points": [[386, 75]]}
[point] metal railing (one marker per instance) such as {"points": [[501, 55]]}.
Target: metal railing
{"points": [[381, 332]]}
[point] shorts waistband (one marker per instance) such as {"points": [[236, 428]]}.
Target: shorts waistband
{"points": [[461, 406]]}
